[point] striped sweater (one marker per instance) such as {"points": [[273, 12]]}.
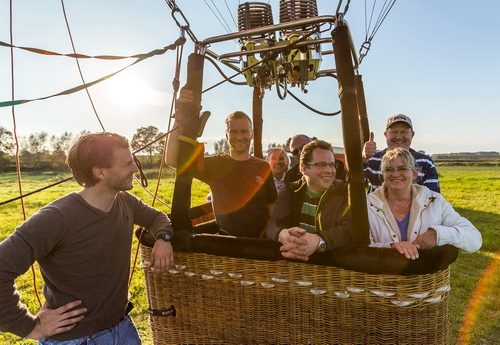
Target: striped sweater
{"points": [[427, 173]]}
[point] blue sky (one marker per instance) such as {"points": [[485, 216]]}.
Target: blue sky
{"points": [[435, 61]]}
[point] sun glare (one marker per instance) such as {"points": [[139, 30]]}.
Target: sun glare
{"points": [[131, 90]]}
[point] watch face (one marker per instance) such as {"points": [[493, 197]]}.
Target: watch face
{"points": [[167, 237], [321, 245]]}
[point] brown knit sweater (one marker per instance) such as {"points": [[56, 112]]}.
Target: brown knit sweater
{"points": [[83, 253]]}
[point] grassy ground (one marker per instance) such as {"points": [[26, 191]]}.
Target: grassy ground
{"points": [[475, 278]]}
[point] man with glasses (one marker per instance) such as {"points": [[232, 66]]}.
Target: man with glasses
{"points": [[399, 133], [313, 216]]}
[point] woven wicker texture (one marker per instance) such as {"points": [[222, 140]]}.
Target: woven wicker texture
{"points": [[225, 300]]}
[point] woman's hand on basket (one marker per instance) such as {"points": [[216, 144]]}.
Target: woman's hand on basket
{"points": [[162, 256], [408, 249]]}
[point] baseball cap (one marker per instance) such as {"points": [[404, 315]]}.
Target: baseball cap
{"points": [[398, 118]]}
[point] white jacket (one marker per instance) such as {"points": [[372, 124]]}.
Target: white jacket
{"points": [[428, 210]]}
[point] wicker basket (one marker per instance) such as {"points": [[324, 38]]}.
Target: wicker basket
{"points": [[228, 300]]}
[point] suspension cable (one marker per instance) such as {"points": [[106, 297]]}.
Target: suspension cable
{"points": [[79, 68], [219, 17], [175, 9], [366, 45], [231, 14], [175, 86]]}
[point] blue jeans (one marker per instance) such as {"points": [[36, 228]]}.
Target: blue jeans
{"points": [[124, 333]]}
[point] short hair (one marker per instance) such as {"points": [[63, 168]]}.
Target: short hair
{"points": [[307, 150], [237, 115], [391, 155], [93, 150], [280, 150], [302, 138]]}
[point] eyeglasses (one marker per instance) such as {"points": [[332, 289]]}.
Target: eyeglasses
{"points": [[398, 169], [322, 165]]}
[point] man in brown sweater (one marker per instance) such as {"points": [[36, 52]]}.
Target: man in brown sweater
{"points": [[82, 243]]}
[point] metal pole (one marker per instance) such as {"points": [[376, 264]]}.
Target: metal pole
{"points": [[257, 121], [351, 133], [363, 115]]}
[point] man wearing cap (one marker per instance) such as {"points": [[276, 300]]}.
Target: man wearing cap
{"points": [[399, 133]]}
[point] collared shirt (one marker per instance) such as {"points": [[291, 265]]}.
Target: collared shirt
{"points": [[280, 184]]}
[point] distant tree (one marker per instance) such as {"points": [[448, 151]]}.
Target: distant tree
{"points": [[6, 141], [62, 143], [144, 136], [6, 147], [37, 142], [221, 147], [34, 153], [60, 147]]}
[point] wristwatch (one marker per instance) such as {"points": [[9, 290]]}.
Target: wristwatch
{"points": [[321, 245], [166, 237]]}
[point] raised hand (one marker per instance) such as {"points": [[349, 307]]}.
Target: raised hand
{"points": [[370, 147], [55, 321], [187, 113]]}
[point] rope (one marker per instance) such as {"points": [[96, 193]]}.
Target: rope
{"points": [[222, 73], [79, 68], [73, 55], [179, 41], [311, 108], [18, 163], [175, 85], [35, 191]]}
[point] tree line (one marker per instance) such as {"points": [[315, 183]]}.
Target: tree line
{"points": [[43, 152]]}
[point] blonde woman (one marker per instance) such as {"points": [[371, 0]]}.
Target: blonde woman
{"points": [[409, 217]]}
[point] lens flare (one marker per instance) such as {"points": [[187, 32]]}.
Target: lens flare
{"points": [[477, 299]]}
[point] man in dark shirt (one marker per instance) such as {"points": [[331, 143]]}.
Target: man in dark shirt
{"points": [[243, 190], [82, 243]]}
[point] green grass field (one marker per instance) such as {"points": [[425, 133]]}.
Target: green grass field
{"points": [[475, 278]]}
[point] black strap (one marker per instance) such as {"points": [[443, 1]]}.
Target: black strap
{"points": [[162, 312]]}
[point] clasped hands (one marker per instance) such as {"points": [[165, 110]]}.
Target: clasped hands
{"points": [[297, 243]]}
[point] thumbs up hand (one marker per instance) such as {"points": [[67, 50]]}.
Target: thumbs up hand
{"points": [[369, 148]]}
